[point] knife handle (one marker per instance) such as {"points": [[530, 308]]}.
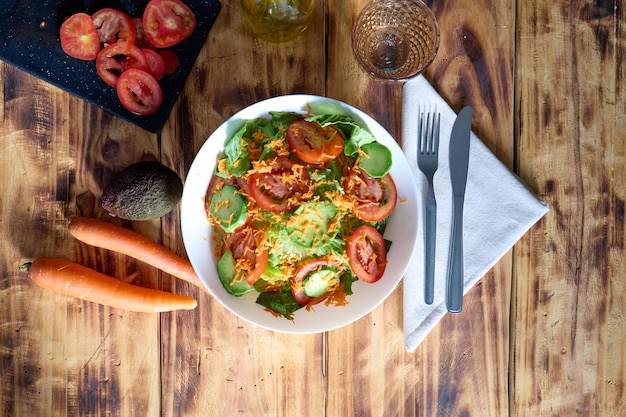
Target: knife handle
{"points": [[429, 255], [454, 284]]}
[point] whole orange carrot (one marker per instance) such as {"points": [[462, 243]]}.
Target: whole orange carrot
{"points": [[110, 236], [76, 280]]}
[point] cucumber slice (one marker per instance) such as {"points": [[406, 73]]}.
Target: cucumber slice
{"points": [[320, 281], [228, 208], [376, 159], [226, 272]]}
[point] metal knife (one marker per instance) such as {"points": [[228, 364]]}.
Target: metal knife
{"points": [[459, 161]]}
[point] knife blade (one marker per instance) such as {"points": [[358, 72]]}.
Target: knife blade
{"points": [[459, 162]]}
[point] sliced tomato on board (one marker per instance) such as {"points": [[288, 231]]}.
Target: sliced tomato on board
{"points": [[113, 60], [119, 43], [113, 25], [281, 187], [367, 253], [141, 39], [139, 92], [250, 260], [79, 38], [313, 143], [167, 22], [376, 197], [155, 63], [170, 59]]}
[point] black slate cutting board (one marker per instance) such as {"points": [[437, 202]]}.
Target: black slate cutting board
{"points": [[29, 40]]}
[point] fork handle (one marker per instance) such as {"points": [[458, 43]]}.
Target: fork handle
{"points": [[454, 285], [429, 254]]}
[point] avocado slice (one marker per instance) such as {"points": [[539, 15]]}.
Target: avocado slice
{"points": [[228, 208], [310, 225], [376, 159], [226, 272]]}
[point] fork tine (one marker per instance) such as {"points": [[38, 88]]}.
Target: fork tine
{"points": [[423, 134], [428, 134], [431, 131], [435, 135], [420, 144]]}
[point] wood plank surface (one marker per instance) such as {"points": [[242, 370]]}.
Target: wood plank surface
{"points": [[62, 356], [542, 334], [569, 321], [227, 365], [466, 356], [475, 67]]}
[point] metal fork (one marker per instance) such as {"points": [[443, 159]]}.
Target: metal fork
{"points": [[427, 160]]}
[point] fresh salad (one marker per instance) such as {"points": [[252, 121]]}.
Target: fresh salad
{"points": [[299, 204]]}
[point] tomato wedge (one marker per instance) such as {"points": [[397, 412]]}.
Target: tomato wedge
{"points": [[113, 25], [282, 187], [376, 197], [367, 253], [139, 92], [114, 59], [79, 38], [167, 22], [313, 143], [249, 260]]}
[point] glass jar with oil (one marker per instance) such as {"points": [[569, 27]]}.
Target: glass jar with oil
{"points": [[277, 20]]}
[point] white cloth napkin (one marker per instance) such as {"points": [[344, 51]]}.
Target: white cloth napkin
{"points": [[498, 210]]}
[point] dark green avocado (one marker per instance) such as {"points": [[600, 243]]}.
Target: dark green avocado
{"points": [[143, 191]]}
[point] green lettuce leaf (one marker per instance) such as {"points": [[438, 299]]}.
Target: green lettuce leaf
{"points": [[282, 302]]}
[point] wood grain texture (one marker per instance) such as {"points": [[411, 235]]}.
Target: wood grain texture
{"points": [[213, 362], [541, 334], [461, 368], [570, 342], [62, 356], [474, 67]]}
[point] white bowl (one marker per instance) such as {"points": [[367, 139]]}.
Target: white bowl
{"points": [[401, 229]]}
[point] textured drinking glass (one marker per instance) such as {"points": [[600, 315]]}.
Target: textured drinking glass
{"points": [[277, 20], [395, 39]]}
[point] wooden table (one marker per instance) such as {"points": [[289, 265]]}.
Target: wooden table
{"points": [[542, 334]]}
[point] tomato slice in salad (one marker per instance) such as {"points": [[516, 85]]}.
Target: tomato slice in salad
{"points": [[367, 253], [249, 259], [313, 143], [79, 38], [115, 59], [113, 25], [282, 187], [376, 197], [167, 22], [139, 92]]}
